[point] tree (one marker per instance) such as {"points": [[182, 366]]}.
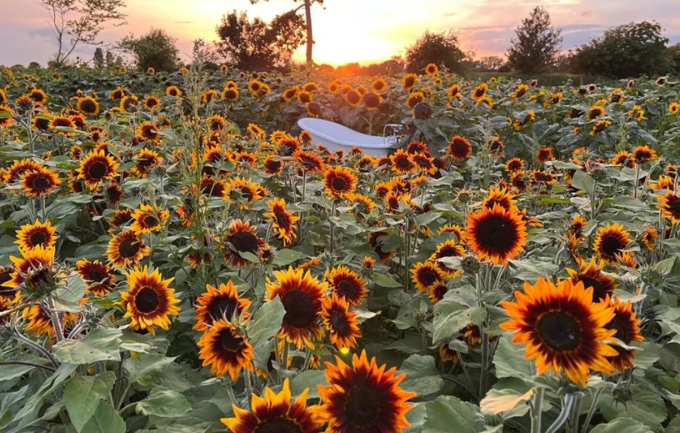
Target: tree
{"points": [[536, 45], [155, 49], [490, 63], [307, 4], [628, 50], [78, 22], [674, 59], [98, 58], [254, 45], [439, 48]]}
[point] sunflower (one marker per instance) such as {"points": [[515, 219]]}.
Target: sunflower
{"points": [[448, 248], [126, 249], [500, 196], [402, 162], [146, 159], [514, 164], [649, 236], [63, 122], [497, 234], [6, 118], [669, 205], [610, 241], [274, 413], [409, 81], [371, 100], [219, 304], [480, 91], [120, 218], [591, 275], [241, 238], [339, 181], [39, 183], [426, 275], [225, 349], [375, 240], [97, 277], [424, 162], [674, 108], [152, 102], [599, 127], [149, 132], [544, 154], [40, 322], [637, 113], [149, 300], [621, 158], [562, 328], [230, 94], [627, 329], [363, 397], [301, 296], [37, 234], [129, 104], [88, 106], [272, 165], [347, 285], [353, 98], [283, 221], [578, 224], [148, 219], [305, 97], [309, 161], [342, 324], [496, 147], [242, 191], [454, 91], [38, 96], [414, 98], [173, 91], [97, 167], [539, 177], [33, 268], [643, 154], [379, 85], [459, 148]]}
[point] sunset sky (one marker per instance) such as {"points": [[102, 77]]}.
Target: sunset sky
{"points": [[345, 30]]}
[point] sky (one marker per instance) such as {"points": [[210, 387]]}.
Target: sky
{"points": [[363, 31]]}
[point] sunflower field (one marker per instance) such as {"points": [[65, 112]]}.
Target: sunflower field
{"points": [[177, 256]]}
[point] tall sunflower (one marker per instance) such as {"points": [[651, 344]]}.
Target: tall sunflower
{"points": [[149, 300], [146, 159], [497, 234], [148, 219], [610, 241], [426, 275], [348, 285], [33, 269], [216, 304], [339, 181], [402, 162], [225, 349], [363, 397], [309, 161], [88, 106], [37, 234], [459, 148], [97, 167], [97, 276], [126, 249], [562, 328], [301, 296], [409, 81], [274, 414], [341, 323], [242, 191], [283, 221], [39, 183]]}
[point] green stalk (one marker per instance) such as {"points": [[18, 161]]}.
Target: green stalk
{"points": [[564, 415], [536, 408]]}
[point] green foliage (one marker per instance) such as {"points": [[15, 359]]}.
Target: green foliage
{"points": [[439, 48], [625, 51], [536, 43], [155, 49]]}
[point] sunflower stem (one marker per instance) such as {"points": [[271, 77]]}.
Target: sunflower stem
{"points": [[591, 410], [330, 221], [567, 402], [56, 321], [536, 408], [572, 425], [249, 389], [637, 178]]}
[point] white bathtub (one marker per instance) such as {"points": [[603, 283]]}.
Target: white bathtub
{"points": [[335, 137]]}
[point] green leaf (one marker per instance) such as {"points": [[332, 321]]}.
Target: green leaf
{"points": [[509, 360], [286, 257], [140, 369], [644, 406], [385, 281], [427, 218], [448, 414], [52, 383], [267, 321], [8, 372], [308, 380], [99, 345], [622, 425], [82, 395], [105, 420], [532, 270], [449, 319], [583, 181], [646, 354], [422, 375], [164, 403]]}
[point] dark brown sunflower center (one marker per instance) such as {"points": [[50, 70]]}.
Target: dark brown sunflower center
{"points": [[346, 288], [97, 170], [599, 290], [362, 407], [459, 147], [559, 330], [222, 307], [37, 238], [96, 275], [40, 183], [229, 341], [277, 425], [150, 221], [403, 162], [88, 106], [300, 311], [244, 242], [246, 193], [339, 322], [338, 184], [496, 233], [281, 218], [128, 248], [622, 331], [611, 245], [674, 207], [439, 291], [39, 277], [147, 300], [427, 277]]}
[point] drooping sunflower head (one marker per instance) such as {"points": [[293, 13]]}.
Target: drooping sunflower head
{"points": [[591, 275], [562, 328], [30, 236], [149, 300], [348, 285], [339, 181], [610, 241], [97, 167], [364, 396], [97, 277], [627, 327], [34, 270], [225, 349], [241, 238], [301, 295], [459, 148], [496, 234], [275, 414], [126, 249], [283, 221]]}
